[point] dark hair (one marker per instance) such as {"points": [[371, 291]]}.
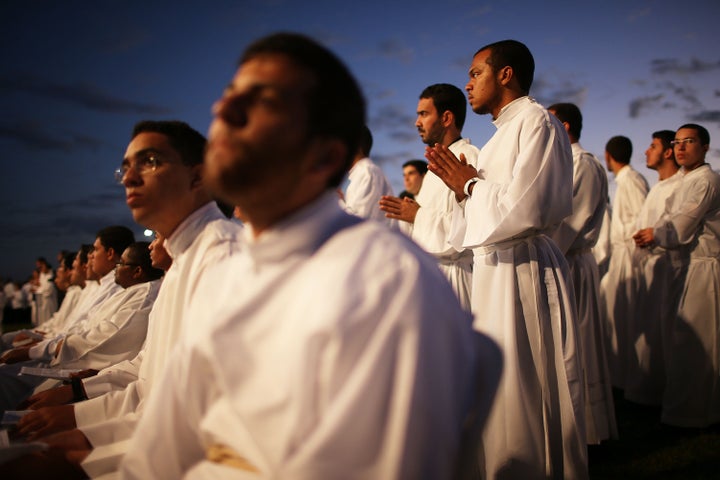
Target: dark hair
{"points": [[448, 97], [406, 194], [620, 148], [116, 237], [336, 107], [570, 113], [515, 55], [44, 261], [665, 137], [187, 141], [139, 253], [366, 141], [67, 260], [702, 132], [420, 165], [84, 250]]}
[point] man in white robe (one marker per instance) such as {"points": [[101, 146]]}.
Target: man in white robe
{"points": [[171, 200], [692, 223], [112, 333], [45, 293], [440, 118], [337, 349], [367, 184], [618, 288], [522, 294], [660, 283], [576, 236]]}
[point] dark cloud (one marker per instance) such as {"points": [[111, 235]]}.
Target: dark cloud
{"points": [[393, 49], [673, 65], [547, 92], [85, 95], [395, 121], [36, 138], [638, 105], [705, 116]]}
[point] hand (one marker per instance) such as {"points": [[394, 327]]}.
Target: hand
{"points": [[404, 209], [644, 238], [452, 171], [49, 398], [16, 355], [46, 421]]}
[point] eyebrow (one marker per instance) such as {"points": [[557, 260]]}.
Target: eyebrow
{"points": [[144, 151]]}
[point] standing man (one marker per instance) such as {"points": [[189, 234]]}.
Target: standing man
{"points": [[576, 236], [298, 376], [440, 118], [367, 184], [618, 288], [522, 292], [660, 280], [413, 175], [692, 224]]}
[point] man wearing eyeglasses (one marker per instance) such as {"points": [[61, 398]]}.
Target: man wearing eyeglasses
{"points": [[162, 172], [111, 332], [691, 225]]}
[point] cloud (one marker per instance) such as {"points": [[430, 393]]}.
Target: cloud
{"points": [[393, 49], [547, 91], [636, 14], [662, 66], [32, 136], [396, 121], [85, 95], [638, 105], [705, 116]]}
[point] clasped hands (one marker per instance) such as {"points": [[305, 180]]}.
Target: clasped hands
{"points": [[454, 172]]}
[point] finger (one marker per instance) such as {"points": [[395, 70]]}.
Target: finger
{"points": [[463, 160]]}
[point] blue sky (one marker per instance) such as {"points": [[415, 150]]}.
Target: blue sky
{"points": [[76, 75]]}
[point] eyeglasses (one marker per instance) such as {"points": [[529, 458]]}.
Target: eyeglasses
{"points": [[688, 140], [143, 165], [126, 264]]}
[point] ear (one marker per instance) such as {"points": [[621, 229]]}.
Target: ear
{"points": [[447, 118], [505, 75], [196, 176], [328, 157], [110, 252]]}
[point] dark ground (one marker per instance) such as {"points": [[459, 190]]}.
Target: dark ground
{"points": [[648, 450]]}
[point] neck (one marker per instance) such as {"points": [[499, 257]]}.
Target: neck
{"points": [[667, 170]]}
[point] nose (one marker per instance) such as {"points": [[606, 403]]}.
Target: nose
{"points": [[231, 109], [131, 177]]}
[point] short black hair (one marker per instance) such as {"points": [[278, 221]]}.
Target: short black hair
{"points": [[420, 165], [702, 132], [139, 253], [513, 54], [336, 106], [117, 237], [448, 97], [187, 141], [665, 137], [620, 148], [570, 113]]}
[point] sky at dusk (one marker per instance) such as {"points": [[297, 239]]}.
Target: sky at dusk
{"points": [[77, 75]]}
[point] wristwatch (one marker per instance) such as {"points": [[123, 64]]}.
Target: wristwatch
{"points": [[466, 188]]}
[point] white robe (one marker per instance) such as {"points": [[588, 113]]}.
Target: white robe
{"points": [[202, 240], [692, 392], [45, 298], [113, 333], [576, 236], [661, 277], [522, 296], [331, 355], [367, 184], [619, 286], [433, 222]]}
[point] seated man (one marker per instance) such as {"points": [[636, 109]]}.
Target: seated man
{"points": [[112, 333]]}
